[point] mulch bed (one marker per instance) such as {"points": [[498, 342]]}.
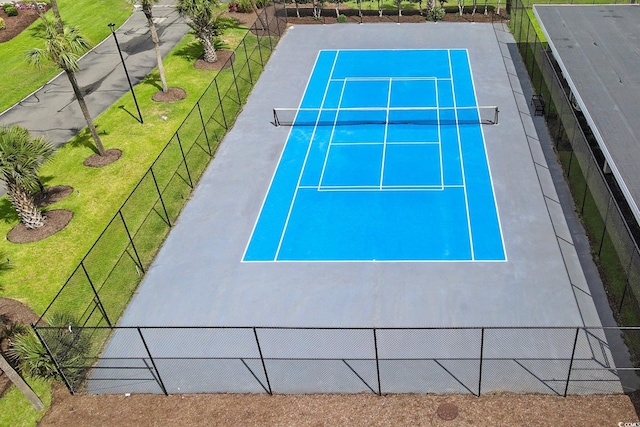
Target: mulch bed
{"points": [[172, 94], [98, 161], [15, 24], [351, 410], [225, 59], [13, 312], [56, 221]]}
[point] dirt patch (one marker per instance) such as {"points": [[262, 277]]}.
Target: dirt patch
{"points": [[173, 94], [12, 312], [225, 59], [335, 410], [56, 221], [15, 24], [98, 161]]}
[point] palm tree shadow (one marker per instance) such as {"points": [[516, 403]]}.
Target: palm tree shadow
{"points": [[84, 139], [191, 51], [152, 79], [8, 214]]}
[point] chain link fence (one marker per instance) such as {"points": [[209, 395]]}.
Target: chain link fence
{"points": [[94, 356], [612, 229], [99, 289], [170, 360]]}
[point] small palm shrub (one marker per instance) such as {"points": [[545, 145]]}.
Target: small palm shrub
{"points": [[68, 343], [436, 14], [2, 24], [11, 11], [244, 6]]}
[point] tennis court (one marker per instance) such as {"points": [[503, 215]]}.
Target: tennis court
{"points": [[345, 187], [385, 162]]}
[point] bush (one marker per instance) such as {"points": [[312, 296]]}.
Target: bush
{"points": [[11, 11], [69, 345], [2, 24], [342, 19], [244, 6], [435, 14]]}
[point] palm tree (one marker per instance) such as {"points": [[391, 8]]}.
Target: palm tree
{"points": [[20, 157], [147, 9], [207, 22], [63, 46]]}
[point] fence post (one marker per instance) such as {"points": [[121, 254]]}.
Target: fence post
{"points": [[160, 196], [235, 82], [204, 129], [375, 344], [246, 55], [573, 353], [153, 363], [95, 293], [604, 225], [626, 281], [481, 360], [55, 362], [135, 251], [264, 366], [184, 159], [259, 45], [224, 117]]}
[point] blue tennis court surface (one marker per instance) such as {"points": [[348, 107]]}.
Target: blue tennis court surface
{"points": [[385, 161]]}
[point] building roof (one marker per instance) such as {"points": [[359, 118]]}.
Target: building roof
{"points": [[598, 50]]}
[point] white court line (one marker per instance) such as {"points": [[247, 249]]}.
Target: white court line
{"points": [[493, 193], [388, 143], [439, 134], [386, 133], [333, 132], [304, 163], [464, 178], [284, 147], [330, 188]]}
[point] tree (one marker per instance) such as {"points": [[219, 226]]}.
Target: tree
{"points": [[206, 21], [20, 157], [147, 9], [63, 47]]}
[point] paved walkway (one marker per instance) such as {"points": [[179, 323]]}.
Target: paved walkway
{"points": [[51, 111]]}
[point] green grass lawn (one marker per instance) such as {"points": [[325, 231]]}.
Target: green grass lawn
{"points": [[39, 269], [19, 79], [15, 409]]}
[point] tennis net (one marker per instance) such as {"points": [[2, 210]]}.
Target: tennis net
{"points": [[370, 116]]}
